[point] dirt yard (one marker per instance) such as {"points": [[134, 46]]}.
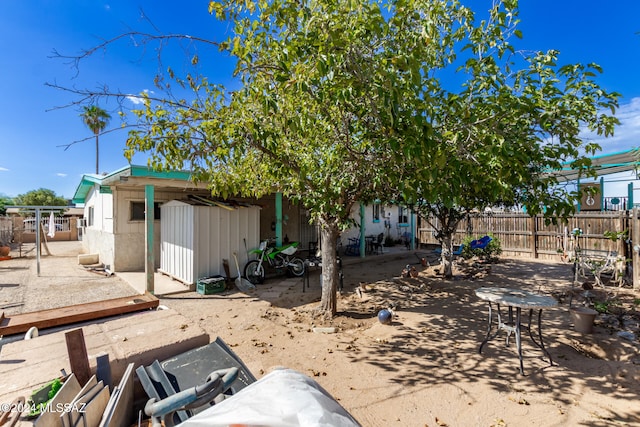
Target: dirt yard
{"points": [[424, 368]]}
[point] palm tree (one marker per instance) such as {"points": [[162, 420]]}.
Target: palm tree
{"points": [[96, 119]]}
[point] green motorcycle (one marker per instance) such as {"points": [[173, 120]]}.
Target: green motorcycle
{"points": [[278, 258]]}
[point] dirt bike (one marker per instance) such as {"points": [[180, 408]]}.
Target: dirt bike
{"points": [[276, 257]]}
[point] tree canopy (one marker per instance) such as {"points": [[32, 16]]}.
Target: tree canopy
{"points": [[312, 119], [40, 197], [4, 202], [341, 102], [517, 117]]}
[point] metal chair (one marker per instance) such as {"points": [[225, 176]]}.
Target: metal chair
{"points": [[377, 244], [455, 252], [353, 248]]}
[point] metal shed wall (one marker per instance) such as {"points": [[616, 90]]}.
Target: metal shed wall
{"points": [[196, 238]]}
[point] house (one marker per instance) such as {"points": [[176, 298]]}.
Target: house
{"points": [[115, 224], [396, 223], [615, 187]]}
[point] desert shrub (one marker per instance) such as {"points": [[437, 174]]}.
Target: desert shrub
{"points": [[489, 253]]}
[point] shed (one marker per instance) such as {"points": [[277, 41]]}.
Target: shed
{"points": [[196, 235]]}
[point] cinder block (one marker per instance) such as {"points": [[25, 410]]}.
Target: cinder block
{"points": [[88, 259]]}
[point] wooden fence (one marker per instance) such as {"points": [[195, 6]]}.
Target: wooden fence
{"points": [[6, 230], [524, 235]]}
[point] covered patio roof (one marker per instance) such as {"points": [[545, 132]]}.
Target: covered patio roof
{"points": [[605, 164], [122, 175]]}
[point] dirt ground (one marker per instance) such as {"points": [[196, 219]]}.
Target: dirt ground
{"points": [[424, 368]]}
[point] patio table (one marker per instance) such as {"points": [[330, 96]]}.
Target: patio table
{"points": [[518, 299], [369, 240]]}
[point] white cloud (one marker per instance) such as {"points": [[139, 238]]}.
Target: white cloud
{"points": [[627, 133], [3, 169], [137, 99], [60, 174]]}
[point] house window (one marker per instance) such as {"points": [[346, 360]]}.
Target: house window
{"points": [[376, 212], [91, 214], [403, 215], [137, 211]]}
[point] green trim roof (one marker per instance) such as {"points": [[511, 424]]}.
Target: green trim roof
{"points": [[604, 164], [88, 181]]}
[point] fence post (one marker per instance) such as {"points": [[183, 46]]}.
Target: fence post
{"points": [[620, 242], [635, 240], [149, 218], [533, 237], [602, 207]]}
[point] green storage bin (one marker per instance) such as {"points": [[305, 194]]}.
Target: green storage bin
{"points": [[210, 285]]}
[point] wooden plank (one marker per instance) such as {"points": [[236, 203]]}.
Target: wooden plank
{"points": [[533, 239], [11, 413], [43, 319], [78, 357]]}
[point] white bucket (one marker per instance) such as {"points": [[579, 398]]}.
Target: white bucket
{"points": [[583, 319]]}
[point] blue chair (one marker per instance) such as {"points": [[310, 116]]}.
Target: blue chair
{"points": [[459, 250], [455, 253], [481, 243]]}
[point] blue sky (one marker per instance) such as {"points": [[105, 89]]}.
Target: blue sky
{"points": [[34, 130]]}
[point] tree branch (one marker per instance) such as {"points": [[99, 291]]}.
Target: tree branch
{"points": [[145, 38]]}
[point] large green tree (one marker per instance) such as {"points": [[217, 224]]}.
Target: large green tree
{"points": [[96, 119], [340, 102], [496, 141], [315, 117], [40, 197]]}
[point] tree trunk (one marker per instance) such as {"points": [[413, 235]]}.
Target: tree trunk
{"points": [[329, 239], [97, 156], [447, 254]]}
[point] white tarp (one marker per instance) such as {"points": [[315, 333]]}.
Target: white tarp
{"points": [[282, 398]]}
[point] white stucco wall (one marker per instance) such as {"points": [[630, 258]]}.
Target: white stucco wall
{"points": [[98, 238], [388, 223], [130, 234], [118, 239]]}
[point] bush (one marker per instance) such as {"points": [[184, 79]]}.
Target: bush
{"points": [[489, 253]]}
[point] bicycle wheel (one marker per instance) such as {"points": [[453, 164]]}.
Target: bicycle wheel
{"points": [[254, 272], [296, 267]]}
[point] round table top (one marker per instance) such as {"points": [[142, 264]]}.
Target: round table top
{"points": [[515, 298]]}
